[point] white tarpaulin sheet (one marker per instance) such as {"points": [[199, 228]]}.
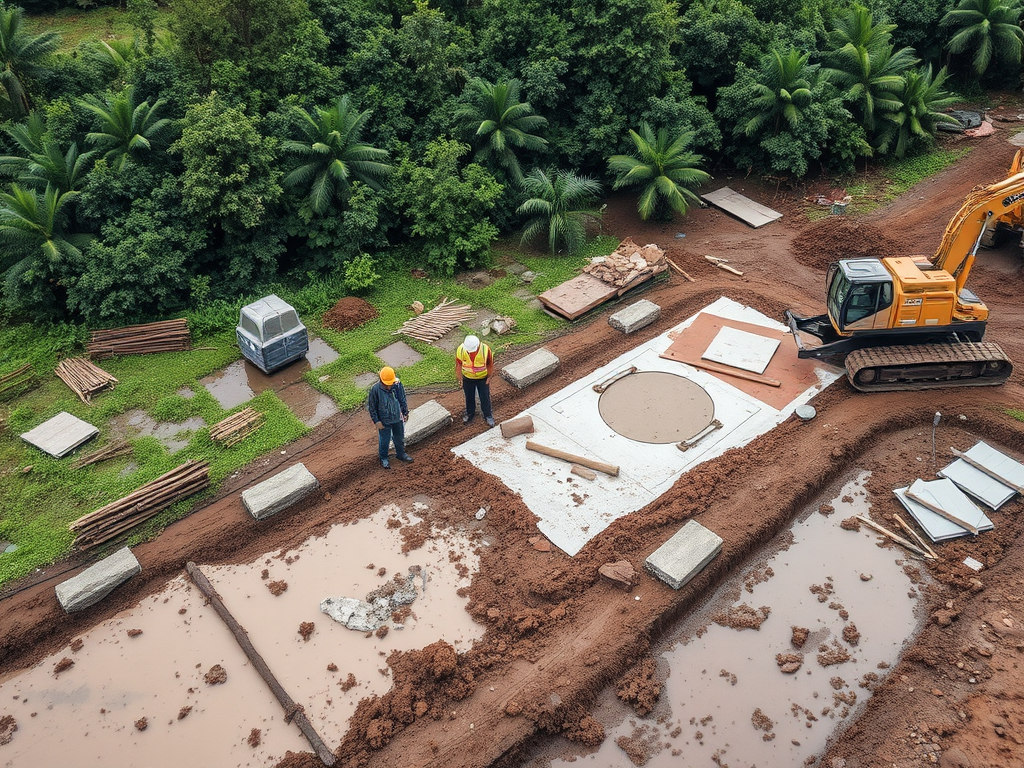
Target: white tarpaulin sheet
{"points": [[573, 510], [946, 496], [981, 486]]}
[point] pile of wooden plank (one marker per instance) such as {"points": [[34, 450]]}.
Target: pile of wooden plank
{"points": [[628, 263], [116, 448], [18, 381], [84, 378], [236, 427], [164, 336], [432, 325], [140, 505]]}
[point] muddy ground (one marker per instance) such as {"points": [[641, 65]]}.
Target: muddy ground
{"points": [[558, 633]]}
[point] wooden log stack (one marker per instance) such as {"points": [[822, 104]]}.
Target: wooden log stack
{"points": [[116, 448], [84, 378], [164, 336], [236, 427], [140, 505], [18, 381], [432, 325]]}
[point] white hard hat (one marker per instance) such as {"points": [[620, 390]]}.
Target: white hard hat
{"points": [[471, 344]]}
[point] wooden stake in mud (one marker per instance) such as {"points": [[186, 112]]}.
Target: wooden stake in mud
{"points": [[895, 537], [291, 709]]}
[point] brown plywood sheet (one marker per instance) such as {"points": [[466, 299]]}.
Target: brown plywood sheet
{"points": [[796, 375], [578, 296], [742, 207]]}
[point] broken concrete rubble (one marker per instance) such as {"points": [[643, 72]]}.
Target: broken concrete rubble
{"points": [[379, 607]]}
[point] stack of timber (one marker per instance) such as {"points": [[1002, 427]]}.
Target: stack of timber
{"points": [[164, 336], [432, 325], [116, 448], [16, 382], [236, 427], [84, 378], [628, 264], [140, 505]]}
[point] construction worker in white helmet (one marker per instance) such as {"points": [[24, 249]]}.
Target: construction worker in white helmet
{"points": [[474, 365]]}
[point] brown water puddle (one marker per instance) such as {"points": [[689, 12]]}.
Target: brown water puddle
{"points": [[726, 701], [89, 714]]}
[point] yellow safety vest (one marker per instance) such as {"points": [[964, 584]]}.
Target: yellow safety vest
{"points": [[474, 368]]}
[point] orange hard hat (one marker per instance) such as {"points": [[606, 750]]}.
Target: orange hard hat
{"points": [[387, 375]]}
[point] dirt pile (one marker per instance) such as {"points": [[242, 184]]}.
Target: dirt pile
{"points": [[838, 238], [349, 313]]}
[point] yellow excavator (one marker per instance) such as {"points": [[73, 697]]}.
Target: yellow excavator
{"points": [[1011, 222], [909, 323]]}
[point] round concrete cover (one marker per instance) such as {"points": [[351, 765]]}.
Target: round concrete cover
{"points": [[656, 407]]}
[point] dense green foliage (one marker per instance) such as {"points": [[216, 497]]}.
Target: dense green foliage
{"points": [[222, 145]]}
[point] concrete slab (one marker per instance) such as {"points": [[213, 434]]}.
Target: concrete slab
{"points": [[742, 207], [530, 369], [636, 316], [60, 435], [740, 349], [684, 555], [982, 486], [398, 355], [425, 421], [571, 510], [943, 494], [97, 581], [279, 492]]}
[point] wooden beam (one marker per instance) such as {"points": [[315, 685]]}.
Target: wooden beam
{"points": [[918, 539], [292, 710], [583, 461], [730, 371], [583, 472], [519, 426], [895, 537], [987, 471], [680, 270], [940, 511]]}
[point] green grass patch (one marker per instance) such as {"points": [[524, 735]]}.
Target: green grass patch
{"points": [[77, 26], [1016, 413]]}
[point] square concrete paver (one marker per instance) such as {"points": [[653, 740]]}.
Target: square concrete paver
{"points": [[399, 355], [60, 435], [684, 555]]}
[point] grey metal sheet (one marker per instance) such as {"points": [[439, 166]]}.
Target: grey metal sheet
{"points": [[742, 207], [60, 435], [983, 487], [945, 495]]}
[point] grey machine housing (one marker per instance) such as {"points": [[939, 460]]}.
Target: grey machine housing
{"points": [[270, 334]]}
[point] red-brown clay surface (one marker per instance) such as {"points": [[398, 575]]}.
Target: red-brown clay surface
{"points": [[556, 633], [350, 312]]}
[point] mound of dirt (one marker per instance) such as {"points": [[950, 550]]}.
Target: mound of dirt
{"points": [[837, 238], [350, 312]]}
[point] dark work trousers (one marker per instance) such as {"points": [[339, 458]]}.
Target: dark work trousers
{"points": [[472, 387], [384, 436]]}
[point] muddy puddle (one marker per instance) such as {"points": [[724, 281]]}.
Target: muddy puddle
{"points": [[138, 423], [826, 604], [143, 687]]}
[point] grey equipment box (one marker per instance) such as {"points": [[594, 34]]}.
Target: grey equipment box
{"points": [[270, 334]]}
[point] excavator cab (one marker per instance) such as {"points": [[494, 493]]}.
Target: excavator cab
{"points": [[860, 295]]}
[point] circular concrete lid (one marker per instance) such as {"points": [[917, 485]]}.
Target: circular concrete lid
{"points": [[806, 412], [656, 407]]}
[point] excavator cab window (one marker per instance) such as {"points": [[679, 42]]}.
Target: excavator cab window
{"points": [[866, 299]]}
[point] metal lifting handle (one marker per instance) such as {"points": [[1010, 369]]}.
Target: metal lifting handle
{"points": [[602, 386]]}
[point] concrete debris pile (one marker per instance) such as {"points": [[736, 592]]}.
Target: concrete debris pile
{"points": [[628, 263], [380, 606]]}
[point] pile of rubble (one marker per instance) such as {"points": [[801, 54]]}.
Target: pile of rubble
{"points": [[628, 263]]}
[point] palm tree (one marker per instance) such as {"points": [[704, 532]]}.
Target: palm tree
{"points": [[864, 64], [332, 156], [782, 92], [35, 225], [665, 167], [44, 164], [922, 99], [29, 136], [501, 122], [560, 205], [20, 55], [987, 27], [125, 128]]}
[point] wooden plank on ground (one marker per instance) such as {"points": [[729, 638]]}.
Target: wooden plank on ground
{"points": [[572, 458], [742, 207], [578, 296]]}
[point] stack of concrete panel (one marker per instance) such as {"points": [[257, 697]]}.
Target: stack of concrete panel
{"points": [[279, 492], [684, 555], [635, 316], [97, 581], [530, 369], [60, 435], [425, 421]]}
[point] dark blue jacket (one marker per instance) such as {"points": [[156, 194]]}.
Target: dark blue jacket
{"points": [[387, 407]]}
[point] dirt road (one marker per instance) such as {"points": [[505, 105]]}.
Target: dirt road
{"points": [[557, 634]]}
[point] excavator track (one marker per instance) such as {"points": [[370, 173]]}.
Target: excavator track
{"points": [[928, 366]]}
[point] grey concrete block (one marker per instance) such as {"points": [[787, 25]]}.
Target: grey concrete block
{"points": [[530, 369], [635, 316], [684, 555], [425, 421], [279, 492], [97, 581]]}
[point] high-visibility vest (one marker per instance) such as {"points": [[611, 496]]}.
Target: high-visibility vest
{"points": [[475, 367]]}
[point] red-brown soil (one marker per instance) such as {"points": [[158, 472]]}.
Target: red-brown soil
{"points": [[556, 633], [350, 312]]}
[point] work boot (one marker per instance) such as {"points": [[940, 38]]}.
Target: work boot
{"points": [[385, 463], [466, 418], [405, 457], [490, 421]]}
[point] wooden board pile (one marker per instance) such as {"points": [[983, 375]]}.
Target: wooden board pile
{"points": [[18, 381], [84, 378], [236, 427], [140, 505], [164, 336], [116, 448], [432, 325], [628, 264]]}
